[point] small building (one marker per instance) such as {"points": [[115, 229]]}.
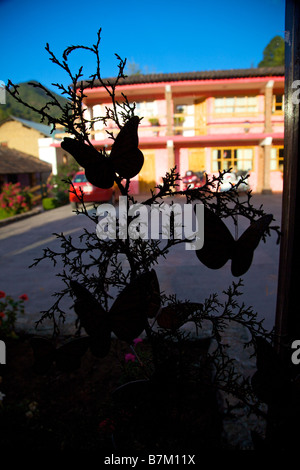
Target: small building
{"points": [[16, 166], [203, 121], [22, 134]]}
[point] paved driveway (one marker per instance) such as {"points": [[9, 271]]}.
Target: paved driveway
{"points": [[181, 273]]}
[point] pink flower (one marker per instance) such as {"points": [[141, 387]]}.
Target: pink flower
{"points": [[129, 357], [2, 294], [137, 341], [20, 198], [23, 297]]}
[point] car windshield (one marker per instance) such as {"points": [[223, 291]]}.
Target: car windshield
{"points": [[79, 179]]}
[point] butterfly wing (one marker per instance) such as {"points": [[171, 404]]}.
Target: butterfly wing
{"points": [[68, 356], [98, 169], [244, 247], [218, 242], [93, 319], [43, 353], [126, 158], [152, 291], [128, 314]]}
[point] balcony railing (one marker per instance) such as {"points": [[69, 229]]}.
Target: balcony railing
{"points": [[180, 126]]}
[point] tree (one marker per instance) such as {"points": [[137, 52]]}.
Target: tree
{"points": [[273, 53], [133, 68]]}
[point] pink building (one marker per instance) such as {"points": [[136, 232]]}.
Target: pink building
{"points": [[204, 121]]}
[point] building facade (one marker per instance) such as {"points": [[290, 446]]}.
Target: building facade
{"points": [[203, 121], [23, 135]]}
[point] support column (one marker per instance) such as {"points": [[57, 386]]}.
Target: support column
{"points": [[169, 103], [268, 106], [265, 167], [171, 154]]}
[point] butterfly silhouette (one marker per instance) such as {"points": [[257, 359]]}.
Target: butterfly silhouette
{"points": [[66, 357], [127, 317], [220, 246], [125, 159]]}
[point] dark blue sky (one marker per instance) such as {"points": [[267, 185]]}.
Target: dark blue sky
{"points": [[160, 36]]}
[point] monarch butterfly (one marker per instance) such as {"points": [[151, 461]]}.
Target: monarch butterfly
{"points": [[125, 158], [220, 246]]}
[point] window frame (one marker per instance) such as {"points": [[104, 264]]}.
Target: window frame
{"points": [[274, 110], [222, 149], [235, 105], [278, 158]]}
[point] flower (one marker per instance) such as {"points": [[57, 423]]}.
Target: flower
{"points": [[23, 297], [129, 357], [106, 425], [2, 294], [2, 314], [2, 395], [33, 406], [137, 341]]}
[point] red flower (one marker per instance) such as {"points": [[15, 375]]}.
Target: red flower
{"points": [[23, 297], [129, 357], [2, 314], [2, 294]]}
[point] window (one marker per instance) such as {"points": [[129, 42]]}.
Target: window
{"points": [[278, 104], [277, 158], [236, 104], [146, 109], [179, 118], [240, 159], [81, 178]]}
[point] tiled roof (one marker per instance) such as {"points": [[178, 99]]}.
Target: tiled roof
{"points": [[42, 128], [12, 161], [206, 75]]}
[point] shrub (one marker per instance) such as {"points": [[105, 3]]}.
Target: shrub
{"points": [[9, 310], [60, 190], [14, 199]]}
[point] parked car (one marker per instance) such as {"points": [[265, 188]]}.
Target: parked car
{"points": [[90, 193], [193, 179]]}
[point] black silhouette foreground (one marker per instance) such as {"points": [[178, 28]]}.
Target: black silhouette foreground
{"points": [[170, 403]]}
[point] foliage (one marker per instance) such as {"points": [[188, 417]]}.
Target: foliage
{"points": [[36, 96], [14, 199], [58, 187], [94, 270], [133, 68], [9, 310], [273, 53]]}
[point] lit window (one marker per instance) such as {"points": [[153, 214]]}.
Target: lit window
{"points": [[277, 158], [239, 159], [236, 104], [146, 108]]}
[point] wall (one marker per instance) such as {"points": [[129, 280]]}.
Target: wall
{"points": [[20, 137]]}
